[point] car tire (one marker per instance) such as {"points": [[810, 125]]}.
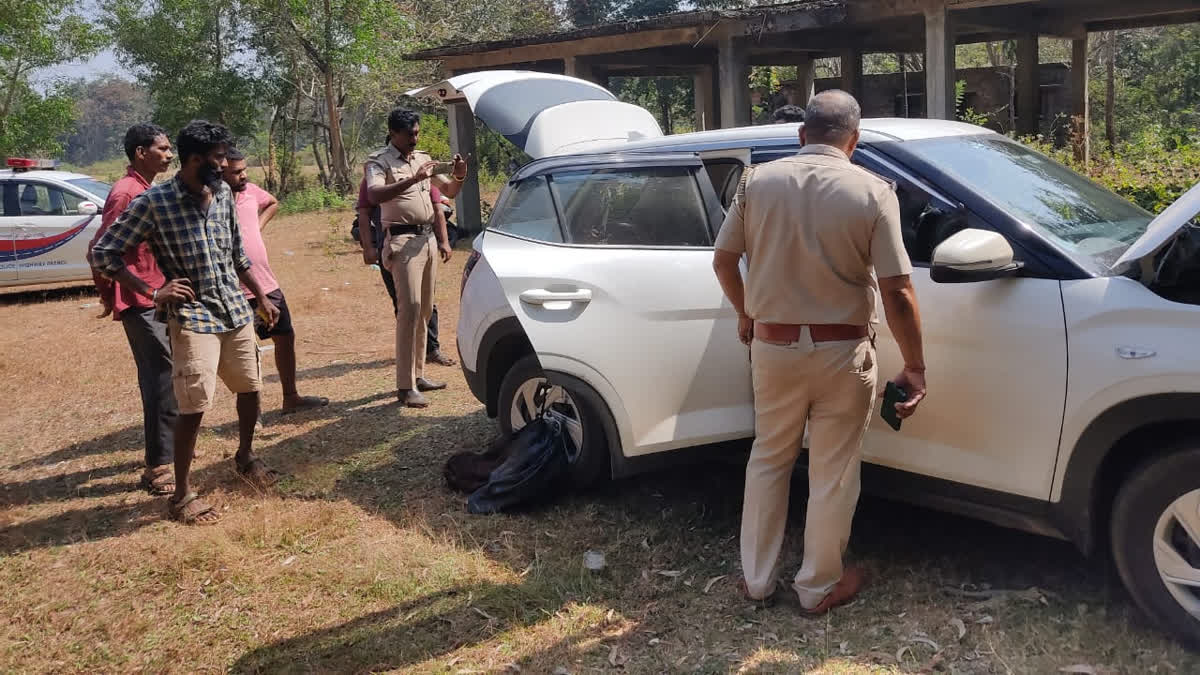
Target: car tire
{"points": [[1149, 540], [524, 386]]}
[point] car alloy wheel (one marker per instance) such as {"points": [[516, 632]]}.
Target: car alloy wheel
{"points": [[537, 394], [1177, 550]]}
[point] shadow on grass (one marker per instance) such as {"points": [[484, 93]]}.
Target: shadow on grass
{"points": [[334, 370], [34, 295]]}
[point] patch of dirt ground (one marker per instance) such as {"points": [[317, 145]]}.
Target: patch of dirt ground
{"points": [[362, 561]]}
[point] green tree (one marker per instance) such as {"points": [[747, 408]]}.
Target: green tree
{"points": [[34, 36], [194, 56], [104, 109]]}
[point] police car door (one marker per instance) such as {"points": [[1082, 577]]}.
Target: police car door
{"points": [[9, 217], [51, 241], [612, 283]]}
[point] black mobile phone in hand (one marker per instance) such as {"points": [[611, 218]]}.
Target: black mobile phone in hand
{"points": [[892, 395]]}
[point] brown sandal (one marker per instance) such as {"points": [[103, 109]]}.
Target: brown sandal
{"points": [[191, 511], [159, 480], [258, 474]]}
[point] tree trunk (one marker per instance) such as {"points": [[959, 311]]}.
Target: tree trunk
{"points": [[272, 186], [1110, 124], [339, 169]]}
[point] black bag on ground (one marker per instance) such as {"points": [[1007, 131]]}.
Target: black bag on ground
{"points": [[534, 471], [468, 471]]}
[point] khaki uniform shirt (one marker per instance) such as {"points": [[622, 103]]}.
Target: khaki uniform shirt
{"points": [[812, 227], [414, 206]]}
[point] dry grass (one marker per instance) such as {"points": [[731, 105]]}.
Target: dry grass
{"points": [[362, 561]]}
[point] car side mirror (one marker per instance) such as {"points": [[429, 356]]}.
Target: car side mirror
{"points": [[88, 208], [973, 255]]}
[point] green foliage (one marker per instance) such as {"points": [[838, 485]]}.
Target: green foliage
{"points": [[1144, 170], [35, 124], [194, 57], [313, 199]]}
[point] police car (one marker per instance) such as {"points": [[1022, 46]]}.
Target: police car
{"points": [[48, 219]]}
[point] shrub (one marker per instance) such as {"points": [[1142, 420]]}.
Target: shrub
{"points": [[312, 199]]}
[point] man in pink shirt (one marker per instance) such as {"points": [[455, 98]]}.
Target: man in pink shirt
{"points": [[149, 153], [255, 208]]}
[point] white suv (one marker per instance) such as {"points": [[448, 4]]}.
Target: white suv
{"points": [[1065, 389]]}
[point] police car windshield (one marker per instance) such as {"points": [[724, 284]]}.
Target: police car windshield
{"points": [[1076, 214], [94, 187]]}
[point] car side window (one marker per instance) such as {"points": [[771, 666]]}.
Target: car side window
{"points": [[925, 219], [724, 173], [71, 202], [652, 206], [39, 199], [528, 212]]}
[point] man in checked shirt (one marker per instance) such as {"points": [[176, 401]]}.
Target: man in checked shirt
{"points": [[191, 225]]}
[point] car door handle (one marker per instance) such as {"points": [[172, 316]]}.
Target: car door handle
{"points": [[541, 296]]}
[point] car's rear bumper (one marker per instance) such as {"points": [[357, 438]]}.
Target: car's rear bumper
{"points": [[476, 381]]}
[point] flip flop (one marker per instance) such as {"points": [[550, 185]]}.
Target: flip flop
{"points": [[191, 511], [764, 603], [306, 403], [159, 480], [258, 474]]}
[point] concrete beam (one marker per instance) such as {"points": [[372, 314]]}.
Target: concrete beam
{"points": [[852, 73], [734, 75], [704, 99], [1080, 118], [577, 66], [462, 141], [585, 47], [1028, 86], [939, 63]]}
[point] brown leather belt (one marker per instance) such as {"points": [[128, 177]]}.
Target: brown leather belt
{"points": [[788, 333]]}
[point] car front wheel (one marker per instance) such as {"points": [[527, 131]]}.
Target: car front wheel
{"points": [[1156, 541], [525, 391]]}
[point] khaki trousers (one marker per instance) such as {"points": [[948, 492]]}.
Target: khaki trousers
{"points": [[832, 386], [412, 260]]}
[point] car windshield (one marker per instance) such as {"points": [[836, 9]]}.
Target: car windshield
{"points": [[1074, 213], [93, 186]]}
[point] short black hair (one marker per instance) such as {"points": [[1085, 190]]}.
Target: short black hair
{"points": [[788, 114], [201, 137], [141, 135], [234, 155], [403, 119]]}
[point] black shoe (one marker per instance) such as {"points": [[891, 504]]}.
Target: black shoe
{"points": [[428, 385], [437, 357], [411, 398]]}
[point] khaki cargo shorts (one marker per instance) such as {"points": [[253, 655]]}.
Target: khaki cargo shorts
{"points": [[199, 358]]}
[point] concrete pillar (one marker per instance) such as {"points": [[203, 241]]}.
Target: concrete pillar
{"points": [[462, 141], [1080, 122], [575, 66], [1029, 108], [939, 63], [733, 66], [705, 101], [852, 73], [806, 78]]}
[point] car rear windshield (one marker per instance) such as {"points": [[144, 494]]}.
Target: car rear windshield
{"points": [[1076, 214], [95, 187]]}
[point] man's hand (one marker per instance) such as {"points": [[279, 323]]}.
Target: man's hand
{"points": [[425, 171], [913, 382], [269, 312], [460, 167], [175, 291], [370, 256], [745, 329], [445, 250], [108, 307]]}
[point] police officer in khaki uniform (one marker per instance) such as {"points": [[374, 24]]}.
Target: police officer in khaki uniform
{"points": [[817, 232], [399, 179]]}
